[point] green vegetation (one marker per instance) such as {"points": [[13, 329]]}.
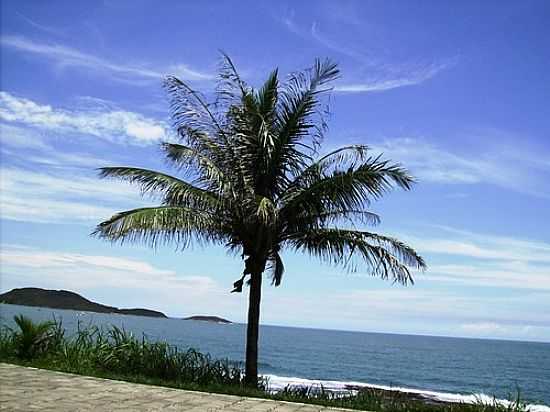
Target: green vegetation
{"points": [[35, 339], [117, 354], [251, 177], [95, 350]]}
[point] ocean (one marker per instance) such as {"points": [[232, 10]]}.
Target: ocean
{"points": [[452, 369]]}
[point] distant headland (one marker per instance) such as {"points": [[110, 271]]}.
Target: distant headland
{"points": [[64, 299]]}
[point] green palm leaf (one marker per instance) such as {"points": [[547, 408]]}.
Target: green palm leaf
{"points": [[172, 190], [162, 224], [344, 189], [386, 257]]}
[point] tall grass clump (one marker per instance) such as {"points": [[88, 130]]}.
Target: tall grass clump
{"points": [[31, 339], [120, 351]]}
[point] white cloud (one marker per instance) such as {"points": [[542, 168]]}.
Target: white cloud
{"points": [[431, 163], [37, 197], [535, 252], [412, 310], [500, 330], [33, 258], [519, 171], [483, 328], [114, 125], [60, 193], [68, 57], [511, 275], [409, 76]]}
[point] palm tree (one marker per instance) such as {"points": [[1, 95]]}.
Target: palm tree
{"points": [[34, 338], [250, 178]]}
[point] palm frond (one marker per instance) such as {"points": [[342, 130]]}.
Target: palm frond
{"points": [[384, 257], [352, 217], [190, 110], [190, 159], [341, 157], [267, 98], [163, 224], [297, 118], [319, 191], [173, 191], [196, 122], [230, 86], [300, 100]]}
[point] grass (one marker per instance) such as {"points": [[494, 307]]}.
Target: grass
{"points": [[117, 354]]}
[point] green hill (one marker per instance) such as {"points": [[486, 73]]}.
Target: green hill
{"points": [[64, 299]]}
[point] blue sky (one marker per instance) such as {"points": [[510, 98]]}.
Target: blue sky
{"points": [[456, 91]]}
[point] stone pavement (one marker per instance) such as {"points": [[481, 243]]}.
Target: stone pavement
{"points": [[30, 389]]}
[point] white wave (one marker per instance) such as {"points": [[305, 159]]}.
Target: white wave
{"points": [[277, 383]]}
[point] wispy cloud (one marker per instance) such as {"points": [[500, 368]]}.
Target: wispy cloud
{"points": [[346, 50], [506, 274], [38, 197], [383, 75], [21, 138], [485, 260], [409, 77], [485, 246], [510, 169], [65, 56], [112, 125], [42, 27], [27, 146]]}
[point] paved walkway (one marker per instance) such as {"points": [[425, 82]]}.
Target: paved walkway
{"points": [[30, 389]]}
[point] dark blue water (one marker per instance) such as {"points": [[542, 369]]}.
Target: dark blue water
{"points": [[450, 365]]}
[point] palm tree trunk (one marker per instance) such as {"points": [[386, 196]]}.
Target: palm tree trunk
{"points": [[255, 295]]}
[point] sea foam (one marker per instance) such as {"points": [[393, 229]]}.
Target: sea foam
{"points": [[277, 383]]}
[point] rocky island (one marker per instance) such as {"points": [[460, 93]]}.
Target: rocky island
{"points": [[64, 299], [204, 318]]}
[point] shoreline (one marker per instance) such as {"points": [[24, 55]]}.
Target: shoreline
{"points": [[277, 383]]}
